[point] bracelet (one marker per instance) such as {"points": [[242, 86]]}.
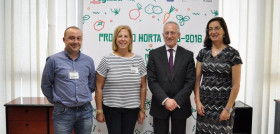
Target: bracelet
{"points": [[142, 110], [228, 109], [99, 111]]}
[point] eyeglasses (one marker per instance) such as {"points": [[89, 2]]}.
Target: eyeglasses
{"points": [[216, 29], [171, 33]]}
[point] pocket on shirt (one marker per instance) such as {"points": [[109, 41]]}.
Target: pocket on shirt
{"points": [[62, 72], [84, 75]]}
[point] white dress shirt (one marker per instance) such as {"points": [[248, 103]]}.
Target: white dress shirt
{"points": [[168, 55]]}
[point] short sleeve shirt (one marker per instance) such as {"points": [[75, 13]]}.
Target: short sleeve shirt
{"points": [[123, 80]]}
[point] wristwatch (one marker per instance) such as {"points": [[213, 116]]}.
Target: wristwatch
{"points": [[143, 110], [228, 109]]}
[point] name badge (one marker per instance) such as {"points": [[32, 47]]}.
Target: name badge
{"points": [[134, 70], [73, 75]]}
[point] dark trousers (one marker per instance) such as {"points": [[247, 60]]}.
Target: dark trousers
{"points": [[120, 120], [161, 126]]}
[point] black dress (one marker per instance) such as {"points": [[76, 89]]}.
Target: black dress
{"points": [[215, 89]]}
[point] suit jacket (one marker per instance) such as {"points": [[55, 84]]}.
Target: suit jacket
{"points": [[179, 86]]}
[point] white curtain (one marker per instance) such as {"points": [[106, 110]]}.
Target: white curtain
{"points": [[255, 31], [31, 30]]}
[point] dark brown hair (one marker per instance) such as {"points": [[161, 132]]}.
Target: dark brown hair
{"points": [[226, 39]]}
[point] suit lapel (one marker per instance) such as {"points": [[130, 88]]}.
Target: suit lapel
{"points": [[164, 61], [178, 60]]}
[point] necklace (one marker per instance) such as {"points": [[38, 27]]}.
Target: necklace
{"points": [[216, 51]]}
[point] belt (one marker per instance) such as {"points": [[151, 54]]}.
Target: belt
{"points": [[81, 106]]}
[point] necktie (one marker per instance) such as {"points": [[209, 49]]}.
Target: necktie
{"points": [[170, 60]]}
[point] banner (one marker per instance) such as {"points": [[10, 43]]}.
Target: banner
{"points": [[146, 18]]}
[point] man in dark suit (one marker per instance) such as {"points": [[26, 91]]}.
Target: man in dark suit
{"points": [[171, 78]]}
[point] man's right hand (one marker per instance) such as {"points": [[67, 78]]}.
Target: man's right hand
{"points": [[170, 104]]}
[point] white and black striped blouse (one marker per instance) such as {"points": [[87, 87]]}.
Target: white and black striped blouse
{"points": [[122, 80]]}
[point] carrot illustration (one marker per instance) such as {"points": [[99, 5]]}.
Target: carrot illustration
{"points": [[167, 14], [166, 17]]}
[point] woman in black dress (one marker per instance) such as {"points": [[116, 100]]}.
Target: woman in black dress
{"points": [[218, 72]]}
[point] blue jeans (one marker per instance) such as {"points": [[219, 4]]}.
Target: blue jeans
{"points": [[65, 119]]}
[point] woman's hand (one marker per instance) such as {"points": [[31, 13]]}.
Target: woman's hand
{"points": [[225, 115], [200, 108], [100, 118], [141, 117]]}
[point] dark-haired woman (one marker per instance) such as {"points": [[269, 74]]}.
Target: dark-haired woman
{"points": [[218, 72]]}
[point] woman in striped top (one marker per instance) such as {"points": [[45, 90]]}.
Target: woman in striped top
{"points": [[121, 85]]}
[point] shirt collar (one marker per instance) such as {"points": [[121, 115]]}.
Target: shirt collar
{"points": [[67, 55], [174, 48]]}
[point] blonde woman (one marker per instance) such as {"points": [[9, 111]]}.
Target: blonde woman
{"points": [[121, 85]]}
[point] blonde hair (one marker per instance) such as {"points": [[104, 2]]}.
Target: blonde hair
{"points": [[116, 32]]}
